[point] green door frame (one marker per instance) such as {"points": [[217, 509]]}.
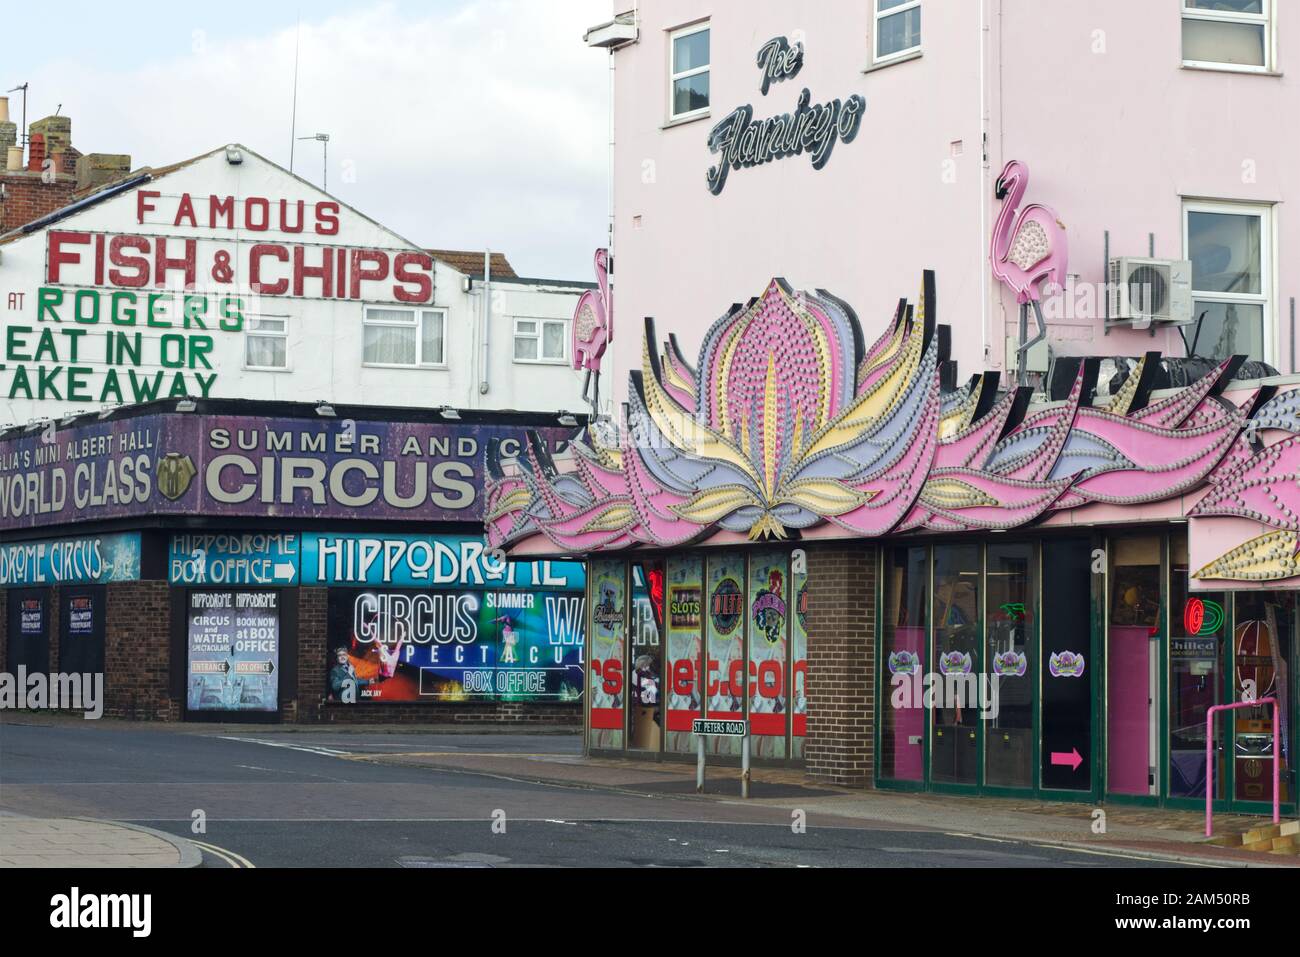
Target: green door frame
{"points": [[1225, 680], [1098, 641], [948, 787], [1227, 665], [882, 694], [1035, 670], [1230, 803]]}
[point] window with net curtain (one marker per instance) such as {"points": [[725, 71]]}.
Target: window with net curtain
{"points": [[266, 342], [539, 340], [404, 337], [1228, 249], [1232, 33]]}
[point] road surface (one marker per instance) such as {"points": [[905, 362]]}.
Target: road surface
{"points": [[305, 800]]}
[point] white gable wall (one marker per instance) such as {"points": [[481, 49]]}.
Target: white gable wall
{"points": [[76, 353]]}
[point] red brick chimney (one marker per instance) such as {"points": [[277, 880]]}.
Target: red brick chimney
{"points": [[32, 192], [35, 153]]}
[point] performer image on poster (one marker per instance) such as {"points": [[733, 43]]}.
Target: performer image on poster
{"points": [[388, 659], [344, 682], [508, 639]]}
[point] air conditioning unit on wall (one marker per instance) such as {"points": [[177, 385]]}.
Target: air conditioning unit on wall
{"points": [[1146, 291]]}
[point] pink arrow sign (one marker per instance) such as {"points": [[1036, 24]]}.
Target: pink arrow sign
{"points": [[1073, 759]]}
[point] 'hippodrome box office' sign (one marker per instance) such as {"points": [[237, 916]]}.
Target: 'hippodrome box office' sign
{"points": [[250, 467]]}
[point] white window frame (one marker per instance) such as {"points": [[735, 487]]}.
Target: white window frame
{"points": [[1267, 296], [251, 333], [540, 337], [910, 52], [417, 313], [1268, 19], [673, 36]]}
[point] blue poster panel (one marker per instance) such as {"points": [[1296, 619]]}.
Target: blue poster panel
{"points": [[233, 642], [391, 646]]}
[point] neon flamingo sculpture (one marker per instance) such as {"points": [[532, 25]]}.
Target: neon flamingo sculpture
{"points": [[593, 330], [1030, 252]]}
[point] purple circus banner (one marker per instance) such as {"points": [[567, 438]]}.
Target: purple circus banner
{"points": [[250, 467]]}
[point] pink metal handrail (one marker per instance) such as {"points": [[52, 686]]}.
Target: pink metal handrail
{"points": [[1209, 760]]}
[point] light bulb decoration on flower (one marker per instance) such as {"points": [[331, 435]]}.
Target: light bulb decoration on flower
{"points": [[789, 421]]}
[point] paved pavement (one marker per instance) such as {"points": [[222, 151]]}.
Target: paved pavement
{"points": [[78, 842], [428, 798]]}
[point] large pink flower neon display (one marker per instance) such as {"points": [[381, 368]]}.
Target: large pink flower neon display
{"points": [[789, 420]]}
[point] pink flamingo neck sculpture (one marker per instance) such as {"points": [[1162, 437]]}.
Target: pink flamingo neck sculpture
{"points": [[593, 330], [1030, 253]]}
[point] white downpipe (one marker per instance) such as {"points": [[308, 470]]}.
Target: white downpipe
{"points": [[985, 146], [485, 376], [610, 163]]}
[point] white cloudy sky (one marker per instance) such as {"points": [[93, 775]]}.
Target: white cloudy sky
{"points": [[458, 123]]}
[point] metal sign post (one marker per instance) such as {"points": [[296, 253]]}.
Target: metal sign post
{"points": [[744, 768], [701, 728]]}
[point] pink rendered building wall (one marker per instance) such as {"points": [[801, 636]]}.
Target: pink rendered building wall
{"points": [[1092, 96]]}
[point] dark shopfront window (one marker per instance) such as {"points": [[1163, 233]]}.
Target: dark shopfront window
{"points": [[718, 634], [1198, 625], [1011, 633], [645, 666], [1263, 648], [29, 630], [956, 619], [951, 612], [83, 611]]}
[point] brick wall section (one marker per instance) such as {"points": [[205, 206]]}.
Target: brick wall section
{"points": [[137, 653], [310, 706], [27, 198], [313, 609], [841, 664]]}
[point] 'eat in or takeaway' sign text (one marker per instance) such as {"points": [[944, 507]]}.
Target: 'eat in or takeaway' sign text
{"points": [[132, 317]]}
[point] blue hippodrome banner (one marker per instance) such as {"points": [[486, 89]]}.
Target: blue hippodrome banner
{"points": [[287, 559], [85, 560]]}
